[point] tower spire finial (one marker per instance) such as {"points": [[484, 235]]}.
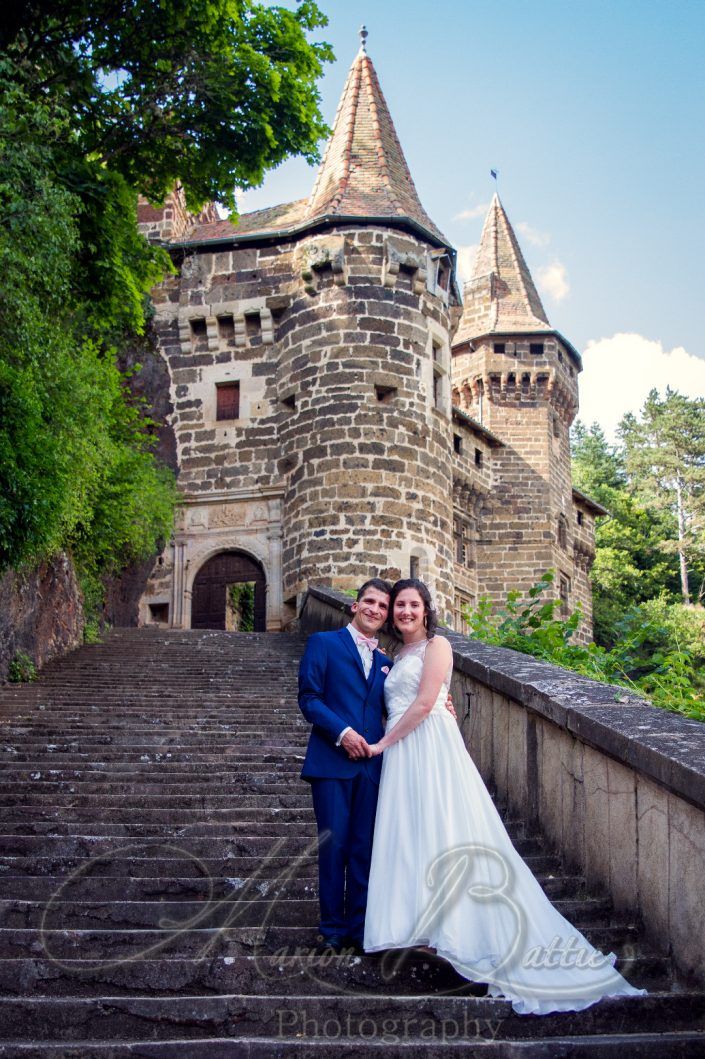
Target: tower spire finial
{"points": [[363, 39]]}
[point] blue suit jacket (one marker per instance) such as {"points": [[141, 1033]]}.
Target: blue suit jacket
{"points": [[334, 693]]}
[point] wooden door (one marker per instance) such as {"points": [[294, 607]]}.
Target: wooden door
{"points": [[211, 585]]}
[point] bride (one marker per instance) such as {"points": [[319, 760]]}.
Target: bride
{"points": [[444, 872]]}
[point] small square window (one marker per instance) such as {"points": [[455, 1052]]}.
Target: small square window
{"points": [[227, 400], [500, 347], [478, 457], [159, 612], [536, 349], [199, 335], [253, 325], [457, 444], [385, 394]]}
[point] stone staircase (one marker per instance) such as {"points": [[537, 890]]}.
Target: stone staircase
{"points": [[158, 877]]}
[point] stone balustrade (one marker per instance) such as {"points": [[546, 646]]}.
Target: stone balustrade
{"points": [[617, 785]]}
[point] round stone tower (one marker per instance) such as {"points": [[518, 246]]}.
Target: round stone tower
{"points": [[518, 377], [364, 367]]}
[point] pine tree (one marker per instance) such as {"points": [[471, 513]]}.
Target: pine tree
{"points": [[665, 459]]}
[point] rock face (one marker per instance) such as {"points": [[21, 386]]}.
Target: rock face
{"points": [[150, 383], [41, 612]]}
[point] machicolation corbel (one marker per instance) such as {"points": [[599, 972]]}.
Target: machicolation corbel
{"points": [[320, 254], [396, 258]]}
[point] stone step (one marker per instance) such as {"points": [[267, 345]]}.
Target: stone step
{"points": [[114, 944], [157, 874], [127, 887], [99, 784], [95, 811], [74, 797], [152, 915], [281, 720], [169, 770], [142, 863], [306, 973], [234, 752], [283, 1017], [47, 785], [398, 1042], [199, 846]]}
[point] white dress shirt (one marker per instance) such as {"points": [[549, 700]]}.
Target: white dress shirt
{"points": [[366, 659]]}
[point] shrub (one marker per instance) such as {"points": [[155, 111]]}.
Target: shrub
{"points": [[656, 655], [22, 669]]}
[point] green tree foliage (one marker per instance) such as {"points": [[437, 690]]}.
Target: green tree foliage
{"points": [[658, 654], [665, 458], [70, 438], [630, 564], [99, 102], [211, 93]]}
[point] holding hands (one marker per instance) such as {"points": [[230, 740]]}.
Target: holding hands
{"points": [[355, 745]]}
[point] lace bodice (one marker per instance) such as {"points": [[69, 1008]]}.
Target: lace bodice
{"points": [[402, 684]]}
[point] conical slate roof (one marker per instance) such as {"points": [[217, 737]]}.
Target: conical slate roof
{"points": [[364, 172], [501, 297]]}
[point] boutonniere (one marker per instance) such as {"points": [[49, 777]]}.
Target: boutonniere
{"points": [[385, 669]]}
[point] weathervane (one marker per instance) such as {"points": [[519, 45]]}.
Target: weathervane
{"points": [[363, 39]]}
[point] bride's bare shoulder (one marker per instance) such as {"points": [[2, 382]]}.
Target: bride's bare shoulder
{"points": [[438, 645]]}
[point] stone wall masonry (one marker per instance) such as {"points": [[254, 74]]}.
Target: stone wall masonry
{"points": [[617, 785], [529, 401]]}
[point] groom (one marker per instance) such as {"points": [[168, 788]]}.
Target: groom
{"points": [[341, 693]]}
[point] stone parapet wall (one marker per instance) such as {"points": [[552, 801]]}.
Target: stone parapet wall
{"points": [[617, 785]]}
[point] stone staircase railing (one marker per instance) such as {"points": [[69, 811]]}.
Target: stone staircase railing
{"points": [[618, 785]]}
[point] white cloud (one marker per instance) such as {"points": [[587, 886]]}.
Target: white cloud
{"points": [[533, 235], [473, 212], [619, 372], [466, 260], [553, 280]]}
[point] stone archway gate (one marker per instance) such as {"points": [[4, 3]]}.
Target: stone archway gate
{"points": [[210, 589]]}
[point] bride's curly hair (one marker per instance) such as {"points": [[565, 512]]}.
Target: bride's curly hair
{"points": [[430, 618]]}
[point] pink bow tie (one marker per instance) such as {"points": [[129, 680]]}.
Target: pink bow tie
{"points": [[368, 641]]}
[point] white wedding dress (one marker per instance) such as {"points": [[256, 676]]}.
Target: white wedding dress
{"points": [[445, 874]]}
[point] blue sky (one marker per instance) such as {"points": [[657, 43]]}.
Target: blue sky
{"points": [[593, 113]]}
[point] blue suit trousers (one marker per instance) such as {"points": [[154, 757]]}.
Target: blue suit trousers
{"points": [[345, 815]]}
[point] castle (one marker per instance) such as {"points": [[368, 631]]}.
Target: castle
{"points": [[339, 411]]}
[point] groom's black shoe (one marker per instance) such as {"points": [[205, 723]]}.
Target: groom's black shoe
{"points": [[354, 946], [333, 944]]}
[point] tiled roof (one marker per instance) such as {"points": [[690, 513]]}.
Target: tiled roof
{"points": [[513, 305], [273, 219], [363, 173]]}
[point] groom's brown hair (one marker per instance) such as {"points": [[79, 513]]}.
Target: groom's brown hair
{"points": [[374, 582]]}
